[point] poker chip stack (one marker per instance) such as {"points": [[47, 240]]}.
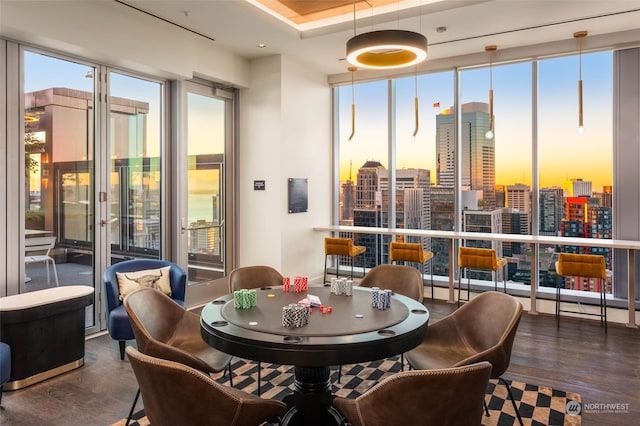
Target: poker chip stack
{"points": [[295, 315], [380, 299], [300, 284], [245, 299], [341, 286], [286, 284]]}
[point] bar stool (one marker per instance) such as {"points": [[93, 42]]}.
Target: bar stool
{"points": [[341, 247], [587, 266], [480, 258], [411, 252]]}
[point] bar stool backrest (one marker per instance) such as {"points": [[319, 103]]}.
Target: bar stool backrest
{"points": [[477, 258], [581, 265]]}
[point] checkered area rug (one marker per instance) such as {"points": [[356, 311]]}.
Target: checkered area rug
{"points": [[539, 406]]}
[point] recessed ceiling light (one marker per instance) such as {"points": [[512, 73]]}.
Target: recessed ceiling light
{"points": [[262, 45]]}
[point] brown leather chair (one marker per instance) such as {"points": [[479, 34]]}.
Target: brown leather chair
{"points": [[412, 253], [400, 279], [480, 258], [481, 330], [582, 265], [176, 394], [443, 397], [254, 277], [341, 247], [164, 329]]}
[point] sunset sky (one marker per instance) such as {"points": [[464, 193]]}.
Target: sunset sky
{"points": [[563, 152]]}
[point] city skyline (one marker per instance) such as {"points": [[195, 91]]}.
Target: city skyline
{"points": [[557, 113]]}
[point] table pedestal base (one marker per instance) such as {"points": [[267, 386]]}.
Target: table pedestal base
{"points": [[310, 403]]}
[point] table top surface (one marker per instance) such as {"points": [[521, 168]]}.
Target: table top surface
{"points": [[339, 337], [43, 297]]}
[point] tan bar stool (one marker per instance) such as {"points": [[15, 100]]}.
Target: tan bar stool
{"points": [[411, 252], [480, 258], [582, 265], [341, 247]]}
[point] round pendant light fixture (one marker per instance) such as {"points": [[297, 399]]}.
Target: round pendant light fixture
{"points": [[387, 49]]}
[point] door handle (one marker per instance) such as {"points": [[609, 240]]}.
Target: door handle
{"points": [[105, 222]]}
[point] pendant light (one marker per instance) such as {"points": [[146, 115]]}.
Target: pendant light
{"points": [[491, 48], [415, 105], [580, 35], [353, 105], [385, 49]]}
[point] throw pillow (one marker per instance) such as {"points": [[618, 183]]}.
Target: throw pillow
{"points": [[154, 278]]}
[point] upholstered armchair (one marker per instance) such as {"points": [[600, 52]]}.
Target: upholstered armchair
{"points": [[176, 394], [248, 277], [443, 397], [117, 319], [483, 329]]}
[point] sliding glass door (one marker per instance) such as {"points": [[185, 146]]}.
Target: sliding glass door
{"points": [[204, 208]]}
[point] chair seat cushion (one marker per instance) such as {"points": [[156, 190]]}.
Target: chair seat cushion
{"points": [[154, 278], [429, 357], [119, 325]]}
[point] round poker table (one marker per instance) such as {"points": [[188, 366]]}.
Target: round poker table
{"points": [[353, 332]]}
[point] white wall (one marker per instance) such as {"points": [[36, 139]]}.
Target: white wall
{"points": [[117, 35], [285, 133]]}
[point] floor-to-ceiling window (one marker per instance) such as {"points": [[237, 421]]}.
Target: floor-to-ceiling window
{"points": [[576, 167], [496, 165], [67, 132], [135, 177], [535, 155], [423, 199]]}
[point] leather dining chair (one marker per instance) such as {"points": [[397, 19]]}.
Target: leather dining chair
{"points": [[412, 253], [341, 247], [483, 329], [118, 323], [176, 394], [480, 258], [248, 277], [586, 266], [443, 397], [400, 279], [163, 329]]}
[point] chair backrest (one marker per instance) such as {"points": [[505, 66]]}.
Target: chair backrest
{"points": [[445, 397], [177, 277], [488, 323], [400, 279], [407, 252], [581, 265], [39, 244], [254, 277], [338, 246], [175, 394], [153, 315], [481, 258]]}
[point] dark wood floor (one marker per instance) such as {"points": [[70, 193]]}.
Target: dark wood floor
{"points": [[577, 357]]}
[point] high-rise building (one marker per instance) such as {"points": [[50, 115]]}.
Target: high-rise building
{"points": [[478, 152], [367, 195], [442, 219], [551, 210], [577, 188], [412, 203], [519, 197], [514, 222]]}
